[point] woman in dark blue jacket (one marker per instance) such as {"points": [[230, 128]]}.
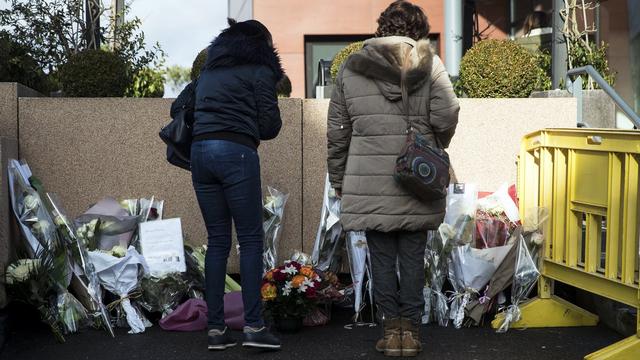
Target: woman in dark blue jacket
{"points": [[236, 107]]}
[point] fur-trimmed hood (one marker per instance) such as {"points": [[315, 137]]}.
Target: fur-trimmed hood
{"points": [[233, 48], [383, 58]]}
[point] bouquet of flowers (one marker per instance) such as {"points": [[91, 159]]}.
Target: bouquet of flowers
{"points": [[46, 248], [273, 211], [439, 246], [496, 218], [119, 275], [290, 291], [195, 259], [330, 239], [163, 294], [525, 277]]}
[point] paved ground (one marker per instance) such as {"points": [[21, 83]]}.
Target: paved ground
{"points": [[27, 340]]}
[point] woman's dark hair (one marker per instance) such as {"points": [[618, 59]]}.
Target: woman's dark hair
{"points": [[403, 18], [250, 28]]}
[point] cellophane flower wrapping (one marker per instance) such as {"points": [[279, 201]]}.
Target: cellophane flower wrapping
{"points": [[84, 270], [327, 250], [45, 244], [525, 277], [273, 209], [470, 270], [163, 294], [457, 229], [120, 276]]}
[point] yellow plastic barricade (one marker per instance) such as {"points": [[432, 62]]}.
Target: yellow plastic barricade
{"points": [[588, 179]]}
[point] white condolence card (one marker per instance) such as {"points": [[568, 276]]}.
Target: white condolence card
{"points": [[162, 246]]}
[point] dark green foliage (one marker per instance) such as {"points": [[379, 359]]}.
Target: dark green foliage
{"points": [[198, 63], [147, 83], [597, 57], [500, 69], [95, 73], [17, 65]]}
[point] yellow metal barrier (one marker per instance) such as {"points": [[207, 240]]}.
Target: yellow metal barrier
{"points": [[589, 181]]}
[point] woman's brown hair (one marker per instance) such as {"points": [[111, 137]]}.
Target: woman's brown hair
{"points": [[403, 18]]}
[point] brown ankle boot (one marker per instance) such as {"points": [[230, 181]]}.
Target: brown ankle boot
{"points": [[391, 343], [411, 344]]}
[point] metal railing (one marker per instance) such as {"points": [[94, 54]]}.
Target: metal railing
{"points": [[575, 88]]}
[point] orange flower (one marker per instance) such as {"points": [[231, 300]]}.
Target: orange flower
{"points": [[297, 281], [308, 272], [269, 275], [269, 292]]}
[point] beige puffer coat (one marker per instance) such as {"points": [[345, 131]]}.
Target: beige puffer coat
{"points": [[367, 129]]}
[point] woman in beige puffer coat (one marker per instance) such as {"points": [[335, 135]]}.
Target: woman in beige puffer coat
{"points": [[366, 131]]}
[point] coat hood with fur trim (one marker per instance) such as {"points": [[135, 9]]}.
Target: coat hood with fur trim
{"points": [[233, 48], [383, 59]]}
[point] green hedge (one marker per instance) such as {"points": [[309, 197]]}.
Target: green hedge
{"points": [[500, 69], [342, 55], [16, 65], [95, 73], [198, 63]]}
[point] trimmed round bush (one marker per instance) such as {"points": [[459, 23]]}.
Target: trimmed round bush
{"points": [[95, 73], [342, 55], [198, 63], [499, 69]]}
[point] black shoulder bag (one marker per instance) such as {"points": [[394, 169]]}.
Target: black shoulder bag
{"points": [[178, 133], [421, 169]]}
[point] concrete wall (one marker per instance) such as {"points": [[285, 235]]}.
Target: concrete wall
{"points": [[84, 149], [598, 109]]}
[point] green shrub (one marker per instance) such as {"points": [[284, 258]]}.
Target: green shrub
{"points": [[17, 65], [500, 69], [342, 55], [147, 83], [580, 56], [95, 73], [198, 63]]}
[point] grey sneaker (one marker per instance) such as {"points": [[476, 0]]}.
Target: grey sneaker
{"points": [[260, 338], [220, 339]]}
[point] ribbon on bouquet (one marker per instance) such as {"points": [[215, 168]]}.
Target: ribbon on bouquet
{"points": [[512, 314], [458, 301], [133, 295]]}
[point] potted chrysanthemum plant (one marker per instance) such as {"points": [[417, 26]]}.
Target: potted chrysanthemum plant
{"points": [[289, 293]]}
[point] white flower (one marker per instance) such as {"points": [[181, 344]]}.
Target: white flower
{"points": [[93, 223], [118, 251], [290, 269], [30, 202], [286, 290], [537, 238], [41, 226], [21, 269], [90, 234], [307, 283], [60, 220]]}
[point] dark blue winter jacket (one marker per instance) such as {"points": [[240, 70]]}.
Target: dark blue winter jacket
{"points": [[236, 92]]}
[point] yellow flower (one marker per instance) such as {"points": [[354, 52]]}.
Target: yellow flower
{"points": [[269, 275], [298, 280], [268, 292], [308, 272]]}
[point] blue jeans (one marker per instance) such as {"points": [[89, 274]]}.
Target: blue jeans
{"points": [[226, 179]]}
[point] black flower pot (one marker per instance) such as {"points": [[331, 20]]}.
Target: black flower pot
{"points": [[289, 324]]}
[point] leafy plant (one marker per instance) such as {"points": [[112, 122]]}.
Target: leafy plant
{"points": [[176, 77], [147, 83], [198, 63], [342, 55], [17, 65], [499, 69], [95, 73], [56, 30], [596, 56]]}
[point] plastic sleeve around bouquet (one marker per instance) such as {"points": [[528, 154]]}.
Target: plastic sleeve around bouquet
{"points": [[524, 279], [329, 238], [273, 209], [120, 276], [163, 294], [436, 254], [88, 278]]}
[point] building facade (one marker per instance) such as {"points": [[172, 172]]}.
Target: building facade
{"points": [[307, 31]]}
